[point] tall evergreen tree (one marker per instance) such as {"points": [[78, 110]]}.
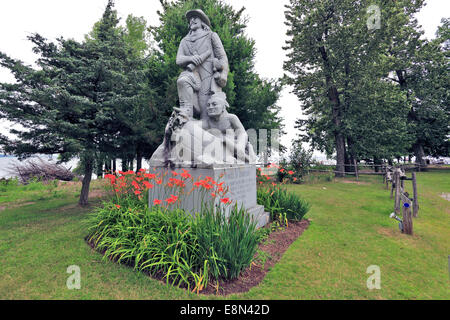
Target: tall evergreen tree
{"points": [[68, 105]]}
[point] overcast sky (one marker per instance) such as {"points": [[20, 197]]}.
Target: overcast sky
{"points": [[73, 19]]}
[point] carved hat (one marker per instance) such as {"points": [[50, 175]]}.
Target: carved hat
{"points": [[198, 13]]}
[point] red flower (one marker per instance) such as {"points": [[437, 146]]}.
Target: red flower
{"points": [[177, 182], [150, 175], [213, 194], [291, 172], [185, 174], [174, 173], [137, 192], [172, 199], [198, 183], [207, 186], [274, 184], [117, 206], [159, 181], [156, 202], [282, 170], [135, 185], [225, 200], [147, 184]]}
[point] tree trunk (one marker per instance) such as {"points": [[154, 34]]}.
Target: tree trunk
{"points": [[88, 168], [99, 169], [350, 156], [138, 160], [377, 164], [420, 155], [124, 164], [340, 155], [114, 164], [333, 97], [108, 165], [131, 164]]}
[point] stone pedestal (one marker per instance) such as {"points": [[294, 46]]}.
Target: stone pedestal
{"points": [[240, 179]]}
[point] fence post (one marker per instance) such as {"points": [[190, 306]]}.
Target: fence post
{"points": [[394, 179], [386, 170], [397, 192], [407, 218], [356, 169], [416, 200]]}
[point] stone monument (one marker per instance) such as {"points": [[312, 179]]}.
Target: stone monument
{"points": [[201, 135]]}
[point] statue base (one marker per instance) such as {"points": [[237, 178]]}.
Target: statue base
{"points": [[240, 179]]}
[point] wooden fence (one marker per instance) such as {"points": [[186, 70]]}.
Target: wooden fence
{"points": [[396, 176]]}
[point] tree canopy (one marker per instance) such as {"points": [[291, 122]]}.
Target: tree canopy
{"points": [[367, 91], [70, 102]]}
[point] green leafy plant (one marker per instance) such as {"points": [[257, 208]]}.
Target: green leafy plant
{"points": [[184, 249], [282, 205]]}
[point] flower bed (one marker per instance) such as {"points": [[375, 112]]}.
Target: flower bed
{"points": [[186, 250]]}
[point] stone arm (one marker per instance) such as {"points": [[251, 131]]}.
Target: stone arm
{"points": [[188, 61], [220, 62], [183, 56], [238, 143], [240, 133]]}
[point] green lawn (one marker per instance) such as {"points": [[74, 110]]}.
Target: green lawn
{"points": [[350, 231]]}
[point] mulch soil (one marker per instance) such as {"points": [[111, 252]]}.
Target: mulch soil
{"points": [[271, 251], [273, 247]]}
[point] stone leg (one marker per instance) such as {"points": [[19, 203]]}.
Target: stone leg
{"points": [[186, 95]]}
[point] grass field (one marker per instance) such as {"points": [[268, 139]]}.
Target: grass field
{"points": [[42, 233]]}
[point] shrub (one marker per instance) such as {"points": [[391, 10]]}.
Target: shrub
{"points": [[228, 242], [281, 203]]}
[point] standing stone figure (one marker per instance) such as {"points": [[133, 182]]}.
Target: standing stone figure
{"points": [[205, 63], [201, 131]]}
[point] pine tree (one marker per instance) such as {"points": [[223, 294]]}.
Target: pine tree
{"points": [[69, 103]]}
